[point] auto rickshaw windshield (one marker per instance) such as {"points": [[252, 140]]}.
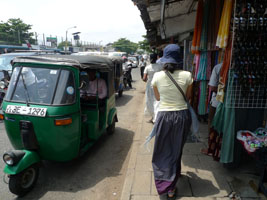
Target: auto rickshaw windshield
{"points": [[41, 86]]}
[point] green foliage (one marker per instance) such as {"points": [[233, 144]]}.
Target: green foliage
{"points": [[61, 45], [125, 45], [145, 45], [15, 31]]}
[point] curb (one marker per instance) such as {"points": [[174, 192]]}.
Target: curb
{"points": [[129, 177]]}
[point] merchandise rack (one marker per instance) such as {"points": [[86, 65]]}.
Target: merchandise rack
{"points": [[247, 78]]}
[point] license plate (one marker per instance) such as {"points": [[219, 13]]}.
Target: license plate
{"points": [[24, 110]]}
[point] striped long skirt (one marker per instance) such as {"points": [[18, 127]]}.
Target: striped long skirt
{"points": [[172, 128]]}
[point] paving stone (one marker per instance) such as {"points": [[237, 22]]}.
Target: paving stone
{"points": [[208, 163], [144, 163], [204, 184], [197, 198], [193, 148], [148, 150], [190, 163], [142, 183], [144, 197], [245, 186], [133, 157], [183, 186], [127, 186]]}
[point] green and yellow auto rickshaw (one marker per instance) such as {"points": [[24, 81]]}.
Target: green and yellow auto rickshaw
{"points": [[118, 74], [45, 117]]}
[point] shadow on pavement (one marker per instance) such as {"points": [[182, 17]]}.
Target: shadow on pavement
{"points": [[104, 159], [201, 187], [121, 101]]}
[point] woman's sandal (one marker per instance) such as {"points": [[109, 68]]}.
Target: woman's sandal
{"points": [[171, 195], [205, 152]]}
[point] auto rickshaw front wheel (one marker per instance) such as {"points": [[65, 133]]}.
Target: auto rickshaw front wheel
{"points": [[111, 127], [23, 182]]}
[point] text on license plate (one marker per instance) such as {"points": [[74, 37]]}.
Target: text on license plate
{"points": [[24, 110]]}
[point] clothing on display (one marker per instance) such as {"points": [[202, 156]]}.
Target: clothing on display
{"points": [[197, 30], [224, 29]]}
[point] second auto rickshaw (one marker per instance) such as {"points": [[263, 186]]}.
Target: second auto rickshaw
{"points": [[45, 118]]}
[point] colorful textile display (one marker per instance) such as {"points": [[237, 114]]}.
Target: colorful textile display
{"points": [[202, 109], [196, 63], [224, 71], [224, 122], [204, 31], [197, 30], [223, 33], [214, 22], [202, 70], [208, 71]]}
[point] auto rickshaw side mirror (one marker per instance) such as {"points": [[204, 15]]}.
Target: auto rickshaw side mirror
{"points": [[83, 85]]}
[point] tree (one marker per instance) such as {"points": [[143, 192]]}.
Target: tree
{"points": [[61, 45], [125, 45], [15, 31], [144, 45]]}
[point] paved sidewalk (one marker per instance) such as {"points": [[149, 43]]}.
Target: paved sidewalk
{"points": [[202, 177]]}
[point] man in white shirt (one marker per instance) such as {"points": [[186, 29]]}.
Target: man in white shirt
{"points": [[213, 84], [95, 87]]}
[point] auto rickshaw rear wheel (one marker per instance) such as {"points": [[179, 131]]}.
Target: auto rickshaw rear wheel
{"points": [[111, 127], [23, 182], [120, 93]]}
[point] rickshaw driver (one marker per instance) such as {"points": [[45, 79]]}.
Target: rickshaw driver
{"points": [[95, 86]]}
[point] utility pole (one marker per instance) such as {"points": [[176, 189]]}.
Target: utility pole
{"points": [[19, 37], [43, 39], [36, 39], [66, 41]]}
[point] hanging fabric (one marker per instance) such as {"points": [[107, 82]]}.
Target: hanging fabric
{"points": [[214, 23], [196, 62], [204, 31], [224, 28], [224, 71], [224, 122], [202, 99], [197, 30], [202, 71], [209, 63]]}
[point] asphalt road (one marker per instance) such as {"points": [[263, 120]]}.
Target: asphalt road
{"points": [[100, 173]]}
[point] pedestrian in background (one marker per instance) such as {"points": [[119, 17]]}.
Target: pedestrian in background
{"points": [[214, 140], [160, 54], [173, 121], [152, 104], [142, 66]]}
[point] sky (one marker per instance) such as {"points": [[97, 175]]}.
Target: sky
{"points": [[99, 21]]}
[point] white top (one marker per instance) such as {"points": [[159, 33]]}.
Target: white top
{"points": [[126, 66], [96, 86], [151, 69], [142, 64], [214, 81], [170, 97]]}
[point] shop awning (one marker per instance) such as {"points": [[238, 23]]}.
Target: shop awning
{"points": [[165, 19]]}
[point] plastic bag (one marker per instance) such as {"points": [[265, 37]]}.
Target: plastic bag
{"points": [[195, 124]]}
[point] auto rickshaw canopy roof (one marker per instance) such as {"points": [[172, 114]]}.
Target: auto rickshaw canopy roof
{"points": [[102, 63]]}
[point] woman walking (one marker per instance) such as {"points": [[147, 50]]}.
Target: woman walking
{"points": [[151, 103], [173, 121]]}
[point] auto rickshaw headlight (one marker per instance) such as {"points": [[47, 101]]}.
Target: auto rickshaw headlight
{"points": [[8, 159], [13, 157]]}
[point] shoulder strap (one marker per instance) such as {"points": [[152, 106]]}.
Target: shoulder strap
{"points": [[176, 84]]}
